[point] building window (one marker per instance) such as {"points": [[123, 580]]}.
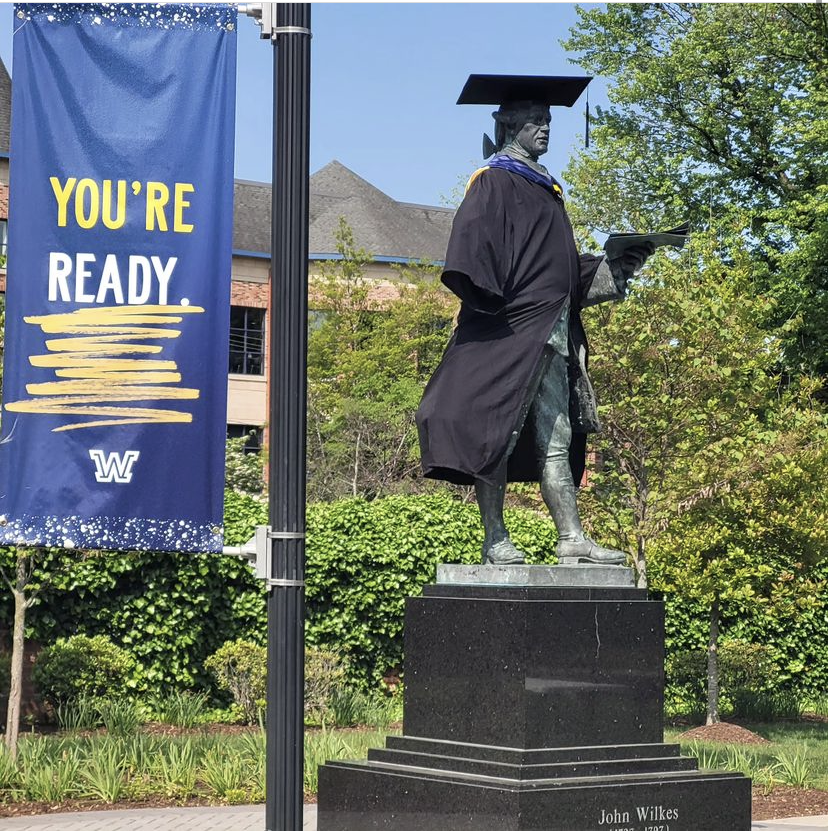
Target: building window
{"points": [[246, 340], [249, 432], [4, 240]]}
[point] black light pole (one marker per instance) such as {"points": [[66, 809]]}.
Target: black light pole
{"points": [[288, 389]]}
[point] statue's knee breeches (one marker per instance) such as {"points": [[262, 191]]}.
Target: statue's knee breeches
{"points": [[550, 415]]}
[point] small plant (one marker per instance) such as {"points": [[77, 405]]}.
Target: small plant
{"points": [[223, 773], [240, 667], [793, 769], [139, 753], [9, 773], [348, 707], [103, 775], [819, 705], [48, 771], [319, 748], [741, 761], [121, 717], [78, 714], [51, 783], [82, 666], [176, 768], [766, 707], [181, 708], [708, 758], [252, 750]]}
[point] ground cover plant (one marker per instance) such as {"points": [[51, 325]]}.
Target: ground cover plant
{"points": [[222, 764], [214, 766]]}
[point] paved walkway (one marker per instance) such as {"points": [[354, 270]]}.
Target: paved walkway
{"points": [[236, 818], [243, 818]]}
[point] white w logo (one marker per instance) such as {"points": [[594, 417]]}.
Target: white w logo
{"points": [[114, 467]]}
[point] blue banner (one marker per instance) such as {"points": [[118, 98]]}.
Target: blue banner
{"points": [[119, 255]]}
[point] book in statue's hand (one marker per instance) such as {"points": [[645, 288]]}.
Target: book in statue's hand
{"points": [[617, 244]]}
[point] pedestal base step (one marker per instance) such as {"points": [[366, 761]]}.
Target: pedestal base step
{"points": [[519, 765], [428, 785]]}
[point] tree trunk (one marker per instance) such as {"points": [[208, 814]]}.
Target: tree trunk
{"points": [[640, 563], [713, 664], [16, 687], [355, 481]]}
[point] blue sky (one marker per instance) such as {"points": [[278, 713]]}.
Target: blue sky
{"points": [[385, 77]]}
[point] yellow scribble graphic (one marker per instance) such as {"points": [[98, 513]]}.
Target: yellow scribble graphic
{"points": [[102, 378]]}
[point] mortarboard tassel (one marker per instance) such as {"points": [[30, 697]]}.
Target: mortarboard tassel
{"points": [[586, 132]]}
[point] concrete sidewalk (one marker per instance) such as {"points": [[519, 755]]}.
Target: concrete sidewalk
{"points": [[235, 818], [244, 818]]}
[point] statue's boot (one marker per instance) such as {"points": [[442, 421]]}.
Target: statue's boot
{"points": [[586, 550], [498, 549], [574, 546], [502, 553]]}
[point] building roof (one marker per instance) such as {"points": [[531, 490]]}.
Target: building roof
{"points": [[387, 229], [384, 227]]}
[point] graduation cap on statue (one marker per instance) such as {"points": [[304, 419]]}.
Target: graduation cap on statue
{"points": [[552, 90]]}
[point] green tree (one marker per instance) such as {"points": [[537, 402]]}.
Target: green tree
{"points": [[710, 465], [243, 468], [756, 543], [718, 109], [369, 358]]}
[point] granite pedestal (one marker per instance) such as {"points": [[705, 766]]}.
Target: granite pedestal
{"points": [[534, 706]]}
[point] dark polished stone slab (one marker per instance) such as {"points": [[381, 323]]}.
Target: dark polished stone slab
{"points": [[531, 709], [535, 672], [357, 796], [530, 756]]}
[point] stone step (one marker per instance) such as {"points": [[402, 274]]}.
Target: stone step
{"points": [[556, 770]]}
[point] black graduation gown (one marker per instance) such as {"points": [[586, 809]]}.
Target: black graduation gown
{"points": [[512, 261]]}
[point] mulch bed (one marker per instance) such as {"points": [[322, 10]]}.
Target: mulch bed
{"points": [[724, 732], [25, 809], [784, 801]]}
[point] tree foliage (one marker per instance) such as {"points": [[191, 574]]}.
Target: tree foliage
{"points": [[718, 109], [694, 406], [368, 361], [712, 370]]}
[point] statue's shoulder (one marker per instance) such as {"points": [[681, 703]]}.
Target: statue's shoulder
{"points": [[475, 176]]}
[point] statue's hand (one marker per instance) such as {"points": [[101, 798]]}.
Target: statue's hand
{"points": [[624, 267]]}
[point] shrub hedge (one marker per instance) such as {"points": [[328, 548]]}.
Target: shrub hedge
{"points": [[82, 667], [171, 611]]}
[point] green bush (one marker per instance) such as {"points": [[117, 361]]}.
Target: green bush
{"points": [[364, 558], [240, 667], [324, 674], [747, 674], [82, 666]]}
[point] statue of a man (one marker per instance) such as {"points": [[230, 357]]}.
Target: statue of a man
{"points": [[511, 400]]}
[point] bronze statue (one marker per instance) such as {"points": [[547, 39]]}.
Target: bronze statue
{"points": [[511, 399]]}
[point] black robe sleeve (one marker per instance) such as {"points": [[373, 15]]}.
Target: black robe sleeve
{"points": [[588, 266], [478, 257]]}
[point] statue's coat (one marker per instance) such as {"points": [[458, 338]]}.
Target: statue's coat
{"points": [[513, 262]]}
